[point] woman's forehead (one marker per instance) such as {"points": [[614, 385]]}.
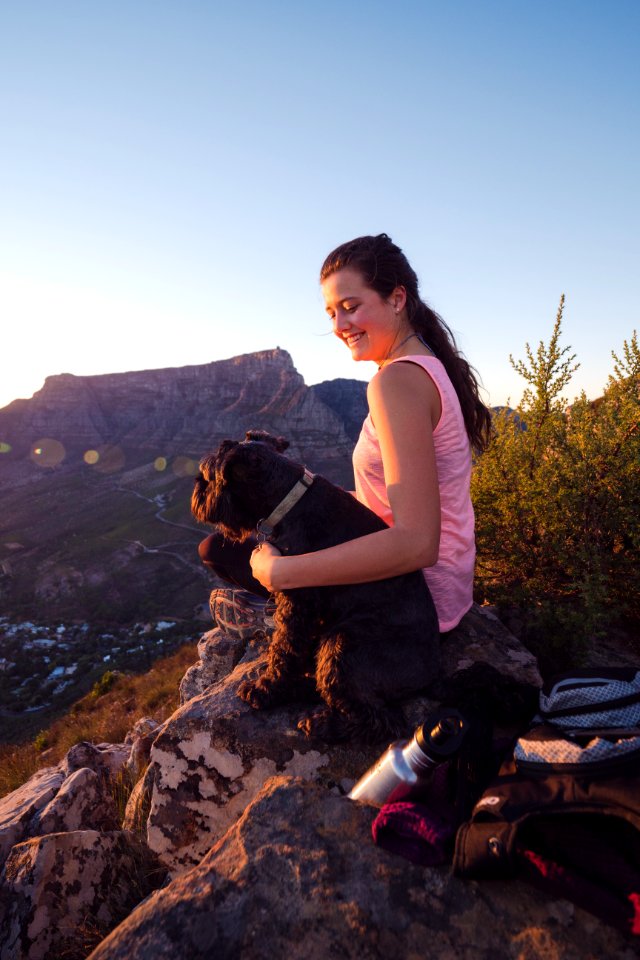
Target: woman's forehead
{"points": [[343, 284]]}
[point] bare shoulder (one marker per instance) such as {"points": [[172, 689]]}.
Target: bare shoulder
{"points": [[400, 384]]}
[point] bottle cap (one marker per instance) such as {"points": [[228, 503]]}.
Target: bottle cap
{"points": [[442, 733]]}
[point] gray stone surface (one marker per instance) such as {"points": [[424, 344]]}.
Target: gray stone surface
{"points": [[139, 804], [83, 802], [481, 637], [139, 741], [62, 890], [215, 752], [218, 654], [18, 808], [106, 759], [298, 876]]}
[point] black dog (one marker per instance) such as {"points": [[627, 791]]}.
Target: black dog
{"points": [[363, 645]]}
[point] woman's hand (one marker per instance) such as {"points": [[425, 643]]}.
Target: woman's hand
{"points": [[263, 561]]}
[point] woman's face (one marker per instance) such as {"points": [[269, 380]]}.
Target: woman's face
{"points": [[369, 325]]}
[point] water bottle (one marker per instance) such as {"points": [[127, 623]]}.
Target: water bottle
{"points": [[404, 768]]}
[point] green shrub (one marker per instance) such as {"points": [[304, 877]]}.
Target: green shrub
{"points": [[41, 741], [104, 684], [557, 502]]}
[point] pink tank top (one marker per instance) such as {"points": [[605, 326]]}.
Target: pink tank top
{"points": [[450, 580]]}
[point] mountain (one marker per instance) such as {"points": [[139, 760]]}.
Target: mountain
{"points": [[96, 476]]}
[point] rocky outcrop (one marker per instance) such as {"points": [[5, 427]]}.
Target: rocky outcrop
{"points": [[214, 754], [139, 741], [82, 803], [183, 410], [74, 795], [298, 876], [266, 853], [70, 873], [218, 654], [61, 890], [347, 399], [20, 808]]}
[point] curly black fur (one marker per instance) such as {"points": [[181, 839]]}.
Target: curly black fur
{"points": [[367, 645]]}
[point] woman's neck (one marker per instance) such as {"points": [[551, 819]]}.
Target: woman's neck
{"points": [[397, 351]]}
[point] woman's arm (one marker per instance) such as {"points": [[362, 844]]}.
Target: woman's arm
{"points": [[405, 406]]}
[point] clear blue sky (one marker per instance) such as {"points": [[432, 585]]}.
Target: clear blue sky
{"points": [[173, 174]]}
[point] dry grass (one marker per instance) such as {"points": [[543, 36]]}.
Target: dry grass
{"points": [[100, 717]]}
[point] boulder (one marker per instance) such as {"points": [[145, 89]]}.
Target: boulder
{"points": [[298, 876], [18, 808], [139, 741], [213, 755], [219, 654], [143, 727], [138, 806], [107, 759], [481, 637], [83, 802], [63, 892]]}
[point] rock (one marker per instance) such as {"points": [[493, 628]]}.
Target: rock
{"points": [[219, 654], [18, 808], [215, 752], [347, 399], [139, 741], [81, 803], [59, 891], [72, 795], [481, 637], [139, 805], [141, 728], [212, 757], [107, 759], [299, 876], [174, 408]]}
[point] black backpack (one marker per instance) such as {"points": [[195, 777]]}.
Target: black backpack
{"points": [[564, 809]]}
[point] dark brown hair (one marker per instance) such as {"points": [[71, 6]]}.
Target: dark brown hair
{"points": [[383, 267]]}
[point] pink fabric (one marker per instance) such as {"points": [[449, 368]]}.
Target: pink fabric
{"points": [[450, 580]]}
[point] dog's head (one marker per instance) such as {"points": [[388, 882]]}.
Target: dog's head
{"points": [[233, 487]]}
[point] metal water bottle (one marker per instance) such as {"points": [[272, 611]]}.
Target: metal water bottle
{"points": [[406, 765]]}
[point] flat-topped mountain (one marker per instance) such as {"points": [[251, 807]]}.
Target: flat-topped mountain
{"points": [[187, 410], [96, 476]]}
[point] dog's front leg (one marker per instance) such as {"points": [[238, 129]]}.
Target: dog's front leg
{"points": [[289, 672]]}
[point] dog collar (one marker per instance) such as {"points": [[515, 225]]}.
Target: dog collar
{"points": [[266, 527]]}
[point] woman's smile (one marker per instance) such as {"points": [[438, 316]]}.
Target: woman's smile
{"points": [[368, 324]]}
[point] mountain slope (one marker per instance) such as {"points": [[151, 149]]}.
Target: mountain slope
{"points": [[96, 479]]}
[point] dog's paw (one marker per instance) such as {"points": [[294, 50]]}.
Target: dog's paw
{"points": [[322, 724], [262, 693]]}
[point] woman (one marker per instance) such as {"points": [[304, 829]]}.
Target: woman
{"points": [[412, 462]]}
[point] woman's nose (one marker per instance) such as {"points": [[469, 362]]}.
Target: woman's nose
{"points": [[341, 321]]}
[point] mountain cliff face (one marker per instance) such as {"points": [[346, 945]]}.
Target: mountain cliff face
{"points": [[187, 410], [96, 483]]}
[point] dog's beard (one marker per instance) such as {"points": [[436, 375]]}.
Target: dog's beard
{"points": [[229, 520], [224, 488], [212, 502]]}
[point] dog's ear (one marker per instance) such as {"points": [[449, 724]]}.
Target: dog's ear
{"points": [[207, 467], [199, 498], [261, 436]]}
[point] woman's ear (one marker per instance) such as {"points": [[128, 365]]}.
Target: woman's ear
{"points": [[398, 299]]}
